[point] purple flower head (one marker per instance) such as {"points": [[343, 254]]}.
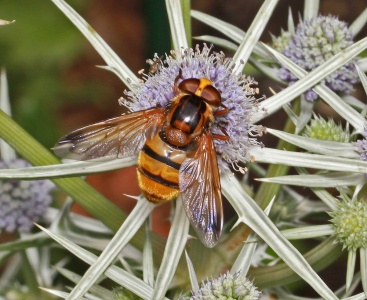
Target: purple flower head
{"points": [[237, 92], [316, 40], [22, 202], [360, 146]]}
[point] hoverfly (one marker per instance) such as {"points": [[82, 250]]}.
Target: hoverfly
{"points": [[155, 64], [175, 151]]}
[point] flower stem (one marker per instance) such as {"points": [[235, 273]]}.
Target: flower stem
{"points": [[29, 275]]}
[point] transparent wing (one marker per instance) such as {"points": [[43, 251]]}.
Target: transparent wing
{"points": [[118, 137], [200, 188]]}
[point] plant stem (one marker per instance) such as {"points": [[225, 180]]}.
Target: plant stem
{"points": [[29, 275]]}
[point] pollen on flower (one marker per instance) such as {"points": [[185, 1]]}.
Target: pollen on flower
{"points": [[350, 223], [328, 130], [237, 93], [22, 202], [315, 41], [227, 286]]}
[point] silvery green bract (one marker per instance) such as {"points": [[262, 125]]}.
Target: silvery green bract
{"points": [[256, 244]]}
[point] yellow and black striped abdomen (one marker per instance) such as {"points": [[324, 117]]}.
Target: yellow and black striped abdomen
{"points": [[158, 167]]}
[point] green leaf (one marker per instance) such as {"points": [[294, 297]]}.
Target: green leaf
{"points": [[131, 225], [358, 23], [7, 153], [315, 161], [148, 263], [363, 258], [176, 22], [311, 9], [253, 35], [249, 212], [60, 294], [324, 180], [243, 261], [227, 29], [75, 168], [97, 290], [193, 279], [316, 145], [351, 264], [118, 275], [176, 242], [308, 232]]}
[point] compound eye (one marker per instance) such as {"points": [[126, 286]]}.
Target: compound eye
{"points": [[211, 95], [189, 85]]}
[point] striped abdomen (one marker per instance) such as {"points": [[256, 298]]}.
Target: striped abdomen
{"points": [[158, 167]]}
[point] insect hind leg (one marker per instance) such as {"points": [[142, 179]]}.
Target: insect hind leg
{"points": [[175, 83], [224, 137], [223, 111]]}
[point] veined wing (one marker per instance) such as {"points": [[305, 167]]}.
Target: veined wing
{"points": [[118, 137], [201, 192]]}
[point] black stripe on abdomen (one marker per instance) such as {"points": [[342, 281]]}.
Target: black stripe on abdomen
{"points": [[163, 159], [158, 179]]}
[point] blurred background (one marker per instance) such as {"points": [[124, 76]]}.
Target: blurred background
{"points": [[54, 83]]}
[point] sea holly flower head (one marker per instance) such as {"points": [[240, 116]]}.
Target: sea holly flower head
{"points": [[328, 130], [350, 223], [315, 41], [227, 286], [280, 42], [22, 202], [237, 93]]}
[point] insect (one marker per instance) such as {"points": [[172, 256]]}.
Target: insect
{"points": [[155, 64], [176, 153]]}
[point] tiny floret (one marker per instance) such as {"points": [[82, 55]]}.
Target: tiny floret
{"points": [[282, 41], [328, 130], [238, 92], [315, 41], [22, 202], [227, 286], [350, 223], [360, 146]]}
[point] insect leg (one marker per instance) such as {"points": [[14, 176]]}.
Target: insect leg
{"points": [[175, 85], [224, 137], [225, 110]]}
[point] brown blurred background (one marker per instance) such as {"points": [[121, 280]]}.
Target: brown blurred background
{"points": [[55, 86]]}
